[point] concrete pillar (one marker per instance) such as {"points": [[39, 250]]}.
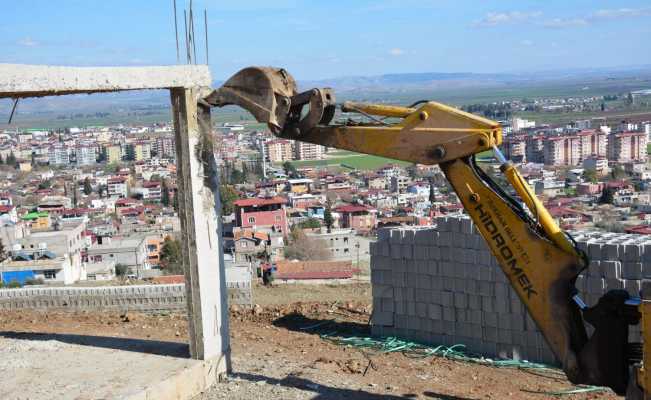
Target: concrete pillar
{"points": [[199, 211]]}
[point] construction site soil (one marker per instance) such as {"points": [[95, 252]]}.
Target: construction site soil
{"points": [[279, 353]]}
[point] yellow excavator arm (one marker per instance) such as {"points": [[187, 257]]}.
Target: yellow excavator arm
{"points": [[540, 260]]}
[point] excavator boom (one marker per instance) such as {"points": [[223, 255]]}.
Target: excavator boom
{"points": [[538, 258]]}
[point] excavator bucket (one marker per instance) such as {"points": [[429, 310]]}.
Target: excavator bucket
{"points": [[265, 92]]}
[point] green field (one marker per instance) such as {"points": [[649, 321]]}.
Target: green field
{"points": [[351, 161]]}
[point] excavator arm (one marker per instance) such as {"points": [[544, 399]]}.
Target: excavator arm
{"points": [[541, 261]]}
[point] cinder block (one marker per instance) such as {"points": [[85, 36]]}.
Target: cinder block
{"points": [[504, 336], [595, 285], [486, 273], [382, 318], [454, 224], [421, 310], [632, 252], [447, 299], [460, 285], [474, 302], [613, 284], [610, 252], [632, 287], [486, 288], [490, 319], [424, 281], [445, 239], [594, 250], [423, 295], [632, 270], [383, 291], [449, 314], [474, 316], [490, 334], [421, 252], [395, 236], [413, 323], [461, 300], [445, 253], [466, 226], [407, 251], [611, 269], [460, 315], [442, 224], [504, 321], [448, 284], [470, 257], [487, 304], [433, 252], [387, 305], [502, 304], [472, 286], [517, 322], [434, 311], [471, 271]]}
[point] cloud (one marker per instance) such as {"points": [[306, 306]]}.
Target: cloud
{"points": [[526, 42], [565, 22], [396, 52], [28, 42], [622, 13], [494, 18], [596, 16]]}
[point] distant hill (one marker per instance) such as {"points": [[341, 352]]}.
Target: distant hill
{"points": [[395, 85]]}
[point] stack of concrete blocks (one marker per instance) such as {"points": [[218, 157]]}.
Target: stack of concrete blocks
{"points": [[442, 285]]}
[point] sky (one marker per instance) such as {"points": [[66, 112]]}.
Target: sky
{"points": [[316, 39]]}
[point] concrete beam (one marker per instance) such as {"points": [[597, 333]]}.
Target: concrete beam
{"points": [[17, 80], [199, 210]]}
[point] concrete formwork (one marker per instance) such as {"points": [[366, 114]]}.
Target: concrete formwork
{"points": [[199, 201]]}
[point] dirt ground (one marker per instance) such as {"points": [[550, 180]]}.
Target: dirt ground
{"points": [[278, 352]]}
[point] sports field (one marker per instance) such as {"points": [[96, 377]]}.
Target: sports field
{"points": [[350, 160]]}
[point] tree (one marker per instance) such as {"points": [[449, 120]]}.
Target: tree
{"points": [[328, 220], [171, 256], [3, 252], [310, 223], [165, 194], [618, 172], [227, 195], [121, 270], [33, 159], [304, 248], [74, 194], [11, 159], [290, 169], [88, 189], [175, 202], [607, 196], [590, 175]]}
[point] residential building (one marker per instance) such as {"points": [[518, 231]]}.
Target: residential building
{"points": [[86, 155], [117, 187], [257, 213], [514, 148], [361, 218], [58, 155], [299, 185], [130, 251], [343, 244], [627, 146], [519, 124], [113, 153], [400, 183], [535, 148], [279, 150], [308, 151]]}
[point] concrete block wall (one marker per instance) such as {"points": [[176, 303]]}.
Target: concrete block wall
{"points": [[122, 298], [441, 285]]}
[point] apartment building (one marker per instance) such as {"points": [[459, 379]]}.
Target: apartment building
{"points": [[534, 148], [58, 155], [86, 155], [117, 187], [308, 151], [279, 150], [572, 149], [514, 148], [627, 146]]}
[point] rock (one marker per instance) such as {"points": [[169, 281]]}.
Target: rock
{"points": [[257, 309]]}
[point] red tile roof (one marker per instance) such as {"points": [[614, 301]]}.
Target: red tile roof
{"points": [[257, 201], [353, 208]]}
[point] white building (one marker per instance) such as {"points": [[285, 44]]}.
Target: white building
{"points": [[519, 124]]}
